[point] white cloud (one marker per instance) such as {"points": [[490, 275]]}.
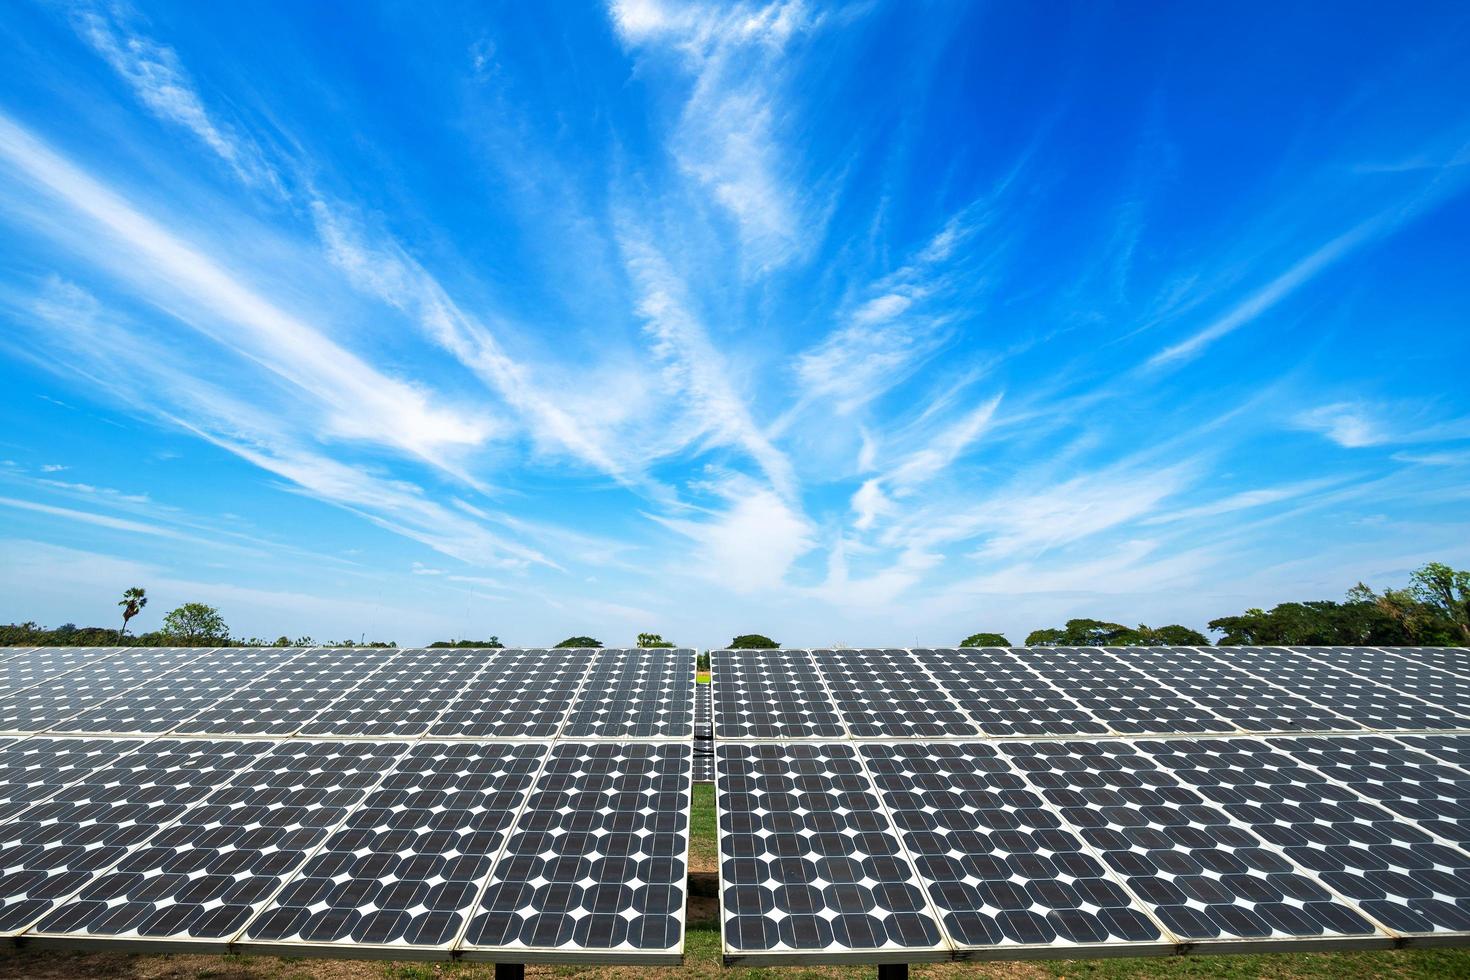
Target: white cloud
{"points": [[82, 340], [52, 468], [1245, 500], [161, 83], [1026, 519], [875, 499], [383, 269], [870, 503], [750, 546], [359, 401], [1360, 424], [727, 134], [694, 367]]}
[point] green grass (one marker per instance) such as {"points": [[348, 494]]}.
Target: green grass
{"points": [[704, 853]]}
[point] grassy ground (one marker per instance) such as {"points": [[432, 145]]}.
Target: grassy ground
{"points": [[702, 957]]}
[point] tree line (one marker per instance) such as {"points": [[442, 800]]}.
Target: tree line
{"points": [[1432, 610]]}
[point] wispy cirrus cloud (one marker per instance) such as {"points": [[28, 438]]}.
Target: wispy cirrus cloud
{"points": [[358, 401], [158, 78], [78, 336], [727, 137], [693, 366], [1360, 424]]}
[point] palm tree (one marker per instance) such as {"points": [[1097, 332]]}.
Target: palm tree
{"points": [[132, 603]]}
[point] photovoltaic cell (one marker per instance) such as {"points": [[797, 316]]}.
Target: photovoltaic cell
{"points": [[189, 689], [597, 859], [1199, 871], [48, 704], [1249, 703], [518, 694], [406, 867], [1439, 687], [199, 880], [1344, 692], [1000, 866], [289, 697], [810, 865], [636, 693], [887, 694], [1003, 696], [1126, 700], [57, 846], [771, 694], [404, 697], [1392, 870]]}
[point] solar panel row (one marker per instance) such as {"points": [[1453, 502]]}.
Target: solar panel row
{"points": [[1021, 692], [520, 852], [908, 851], [349, 692]]}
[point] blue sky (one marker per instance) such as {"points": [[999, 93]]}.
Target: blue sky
{"points": [[865, 323]]}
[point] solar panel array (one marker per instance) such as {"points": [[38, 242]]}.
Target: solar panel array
{"points": [[505, 805], [877, 805], [908, 805]]}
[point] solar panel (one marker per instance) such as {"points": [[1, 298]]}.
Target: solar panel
{"points": [[1126, 700], [284, 700], [1388, 868], [1454, 749], [811, 867], [36, 664], [1456, 659], [1417, 787], [771, 694], [33, 769], [887, 694], [1250, 703], [197, 881], [188, 690], [405, 868], [404, 697], [636, 693], [1344, 692], [1201, 872], [56, 847], [1439, 687], [999, 865], [1003, 696], [47, 704], [597, 860], [517, 694]]}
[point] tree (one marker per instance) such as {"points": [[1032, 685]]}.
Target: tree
{"points": [[1089, 633], [1177, 636], [652, 641], [1318, 623], [985, 640], [576, 642], [132, 603], [1446, 590], [195, 624], [493, 643], [753, 641]]}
